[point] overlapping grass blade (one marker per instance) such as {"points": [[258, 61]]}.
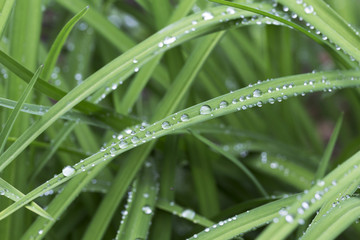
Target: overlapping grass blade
{"points": [[334, 184], [58, 44], [245, 222], [14, 194], [15, 113], [141, 205], [300, 84], [40, 110], [182, 212], [336, 220], [5, 14], [143, 52], [235, 161], [320, 173]]}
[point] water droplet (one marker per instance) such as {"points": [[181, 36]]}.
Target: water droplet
{"points": [[289, 218], [147, 210], [68, 171], [305, 205], [135, 61], [188, 213], [161, 44], [301, 221], [207, 16], [40, 231], [184, 117], [309, 9], [135, 139], [205, 109], [78, 77], [136, 69], [230, 10], [123, 144], [169, 40], [165, 125], [223, 104], [271, 100], [257, 93]]}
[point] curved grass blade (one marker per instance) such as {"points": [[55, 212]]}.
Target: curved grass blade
{"points": [[167, 105], [103, 114], [329, 23], [182, 212], [12, 193], [55, 144], [40, 110], [141, 205], [245, 222], [300, 84], [143, 52], [58, 44], [15, 113], [61, 202], [233, 159], [320, 173], [5, 14], [287, 171], [329, 47], [336, 220], [333, 185]]}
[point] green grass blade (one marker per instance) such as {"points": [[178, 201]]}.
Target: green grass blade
{"points": [[324, 163], [5, 14], [59, 205], [141, 205], [287, 171], [12, 193], [103, 114], [58, 44], [336, 220], [40, 110], [244, 222], [191, 116], [334, 184], [329, 23], [15, 113], [54, 146], [121, 64], [182, 212], [326, 45], [235, 161], [100, 24]]}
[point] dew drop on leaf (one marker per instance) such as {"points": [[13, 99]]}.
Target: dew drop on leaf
{"points": [[207, 16], [184, 117], [68, 171], [223, 104], [147, 210], [165, 125], [309, 9], [257, 93], [188, 213], [205, 109]]}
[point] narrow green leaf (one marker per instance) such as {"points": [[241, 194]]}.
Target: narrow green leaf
{"points": [[5, 14], [235, 161], [247, 221], [141, 205], [15, 113], [197, 114], [335, 221], [58, 44], [182, 212], [12, 193], [323, 165]]}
